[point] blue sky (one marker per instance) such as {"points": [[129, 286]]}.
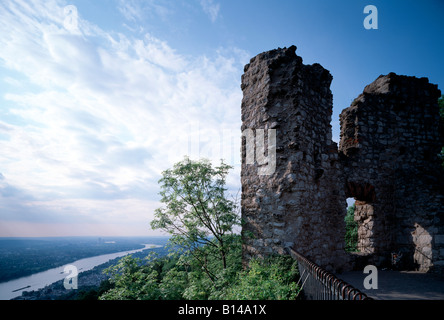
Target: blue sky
{"points": [[93, 109]]}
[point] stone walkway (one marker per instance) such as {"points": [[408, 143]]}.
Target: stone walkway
{"points": [[399, 285]]}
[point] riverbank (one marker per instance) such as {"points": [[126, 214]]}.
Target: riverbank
{"points": [[87, 280], [22, 257]]}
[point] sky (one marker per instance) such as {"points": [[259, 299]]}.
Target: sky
{"points": [[97, 98]]}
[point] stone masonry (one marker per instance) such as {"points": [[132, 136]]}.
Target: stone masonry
{"points": [[298, 205], [387, 160], [390, 141]]}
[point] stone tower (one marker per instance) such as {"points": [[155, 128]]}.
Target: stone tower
{"points": [[390, 141], [295, 181], [298, 204]]}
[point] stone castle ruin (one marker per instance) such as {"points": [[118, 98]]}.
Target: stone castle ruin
{"points": [[387, 160]]}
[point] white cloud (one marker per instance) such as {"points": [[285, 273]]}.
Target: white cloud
{"points": [[135, 11], [211, 9], [131, 10], [106, 114]]}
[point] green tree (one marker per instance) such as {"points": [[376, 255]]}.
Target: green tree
{"points": [[351, 230], [179, 277], [95, 293], [201, 222], [273, 278], [173, 284], [197, 212], [132, 281]]}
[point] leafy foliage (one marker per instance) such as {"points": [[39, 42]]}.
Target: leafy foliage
{"points": [[94, 293], [132, 282], [273, 278], [351, 230], [179, 277], [206, 261], [197, 212]]}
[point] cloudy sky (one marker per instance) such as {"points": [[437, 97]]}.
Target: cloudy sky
{"points": [[97, 98]]}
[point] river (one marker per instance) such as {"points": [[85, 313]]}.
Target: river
{"points": [[14, 288]]}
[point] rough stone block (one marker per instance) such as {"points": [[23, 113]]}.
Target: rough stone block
{"points": [[439, 239], [386, 160]]}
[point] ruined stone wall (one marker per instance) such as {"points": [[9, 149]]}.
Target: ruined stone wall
{"points": [[298, 204], [390, 141], [387, 161]]}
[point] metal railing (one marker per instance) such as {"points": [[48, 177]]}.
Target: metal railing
{"points": [[319, 284]]}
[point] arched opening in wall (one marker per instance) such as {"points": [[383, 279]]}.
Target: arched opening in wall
{"points": [[363, 215], [351, 227]]}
